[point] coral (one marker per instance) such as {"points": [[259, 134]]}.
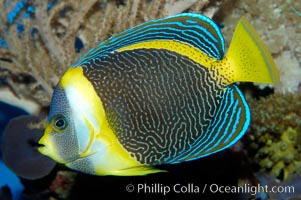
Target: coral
{"points": [[281, 156], [63, 183], [31, 30], [275, 113], [275, 134], [40, 39], [290, 72]]}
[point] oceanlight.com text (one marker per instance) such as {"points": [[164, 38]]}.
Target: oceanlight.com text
{"points": [[250, 189], [192, 188]]}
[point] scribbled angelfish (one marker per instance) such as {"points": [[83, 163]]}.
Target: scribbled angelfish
{"points": [[159, 93]]}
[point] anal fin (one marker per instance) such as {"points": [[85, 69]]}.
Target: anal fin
{"points": [[137, 171]]}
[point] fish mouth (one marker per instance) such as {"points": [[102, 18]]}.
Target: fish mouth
{"points": [[40, 147], [35, 144]]}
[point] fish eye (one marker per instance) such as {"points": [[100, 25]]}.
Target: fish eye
{"points": [[59, 123]]}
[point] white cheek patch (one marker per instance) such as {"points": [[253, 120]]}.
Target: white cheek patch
{"points": [[82, 110]]}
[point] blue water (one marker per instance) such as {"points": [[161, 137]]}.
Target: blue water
{"points": [[7, 177]]}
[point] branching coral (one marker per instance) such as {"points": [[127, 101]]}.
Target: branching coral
{"points": [[275, 135], [40, 37], [281, 156]]}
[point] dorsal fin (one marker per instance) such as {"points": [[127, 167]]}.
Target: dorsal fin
{"points": [[190, 28], [229, 125]]}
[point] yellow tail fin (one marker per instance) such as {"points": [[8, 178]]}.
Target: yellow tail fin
{"points": [[248, 58]]}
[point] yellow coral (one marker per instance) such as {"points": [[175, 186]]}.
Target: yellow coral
{"points": [[281, 156]]}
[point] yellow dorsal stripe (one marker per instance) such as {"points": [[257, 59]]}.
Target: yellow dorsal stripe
{"points": [[247, 60], [181, 48]]}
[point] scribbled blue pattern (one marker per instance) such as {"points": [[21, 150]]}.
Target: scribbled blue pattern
{"points": [[165, 108], [224, 131], [194, 29]]}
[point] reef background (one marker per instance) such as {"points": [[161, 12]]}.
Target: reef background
{"points": [[39, 40]]}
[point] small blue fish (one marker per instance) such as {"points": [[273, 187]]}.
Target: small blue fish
{"points": [[161, 92]]}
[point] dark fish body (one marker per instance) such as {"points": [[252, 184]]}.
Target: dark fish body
{"points": [[161, 104]]}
